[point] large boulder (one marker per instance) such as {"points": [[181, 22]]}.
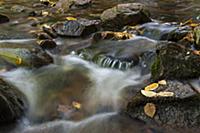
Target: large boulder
{"points": [[13, 103], [124, 14], [177, 111], [76, 28], [24, 55], [175, 61]]}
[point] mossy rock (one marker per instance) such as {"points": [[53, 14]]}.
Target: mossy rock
{"points": [[174, 61], [178, 111], [13, 103]]}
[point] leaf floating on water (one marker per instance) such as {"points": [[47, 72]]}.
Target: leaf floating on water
{"points": [[150, 109], [165, 94], [148, 93], [162, 82], [71, 18], [76, 105], [151, 87]]}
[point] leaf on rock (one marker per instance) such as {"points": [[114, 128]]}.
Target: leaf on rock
{"points": [[71, 18], [165, 94], [151, 87], [162, 82], [148, 93], [150, 109], [76, 105]]}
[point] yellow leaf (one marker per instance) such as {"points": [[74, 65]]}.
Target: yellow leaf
{"points": [[162, 82], [71, 18], [151, 87], [165, 94], [194, 25], [148, 93], [19, 61], [76, 105], [150, 109]]}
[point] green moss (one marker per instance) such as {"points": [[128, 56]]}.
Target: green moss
{"points": [[155, 68]]}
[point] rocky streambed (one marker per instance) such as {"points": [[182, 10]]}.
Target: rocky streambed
{"points": [[94, 66]]}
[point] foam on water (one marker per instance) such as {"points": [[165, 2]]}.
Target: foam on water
{"points": [[105, 89]]}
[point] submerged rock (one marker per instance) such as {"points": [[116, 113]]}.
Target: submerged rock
{"points": [[3, 19], [47, 44], [118, 54], [178, 111], [164, 31], [76, 28], [24, 55], [175, 61], [124, 14], [13, 103]]}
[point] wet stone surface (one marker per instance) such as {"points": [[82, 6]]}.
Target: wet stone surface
{"points": [[124, 14], [181, 110], [13, 103], [175, 61], [76, 28]]}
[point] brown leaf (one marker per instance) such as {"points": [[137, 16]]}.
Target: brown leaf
{"points": [[150, 109]]}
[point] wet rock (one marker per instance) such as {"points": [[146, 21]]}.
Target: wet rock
{"points": [[66, 5], [47, 44], [24, 55], [43, 36], [109, 35], [49, 31], [3, 19], [118, 54], [164, 31], [124, 14], [20, 9], [82, 2], [76, 28], [179, 111], [13, 103], [175, 61]]}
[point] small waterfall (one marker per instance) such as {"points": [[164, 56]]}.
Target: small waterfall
{"points": [[103, 89]]}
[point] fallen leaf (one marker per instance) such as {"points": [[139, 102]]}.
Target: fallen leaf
{"points": [[165, 94], [76, 105], [71, 18], [162, 82], [150, 109], [151, 87], [148, 93], [18, 61], [197, 52]]}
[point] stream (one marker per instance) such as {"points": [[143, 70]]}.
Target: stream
{"points": [[80, 95]]}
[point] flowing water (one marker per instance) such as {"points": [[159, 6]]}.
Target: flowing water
{"points": [[51, 90]]}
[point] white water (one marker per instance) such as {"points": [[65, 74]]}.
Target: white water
{"points": [[105, 90]]}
